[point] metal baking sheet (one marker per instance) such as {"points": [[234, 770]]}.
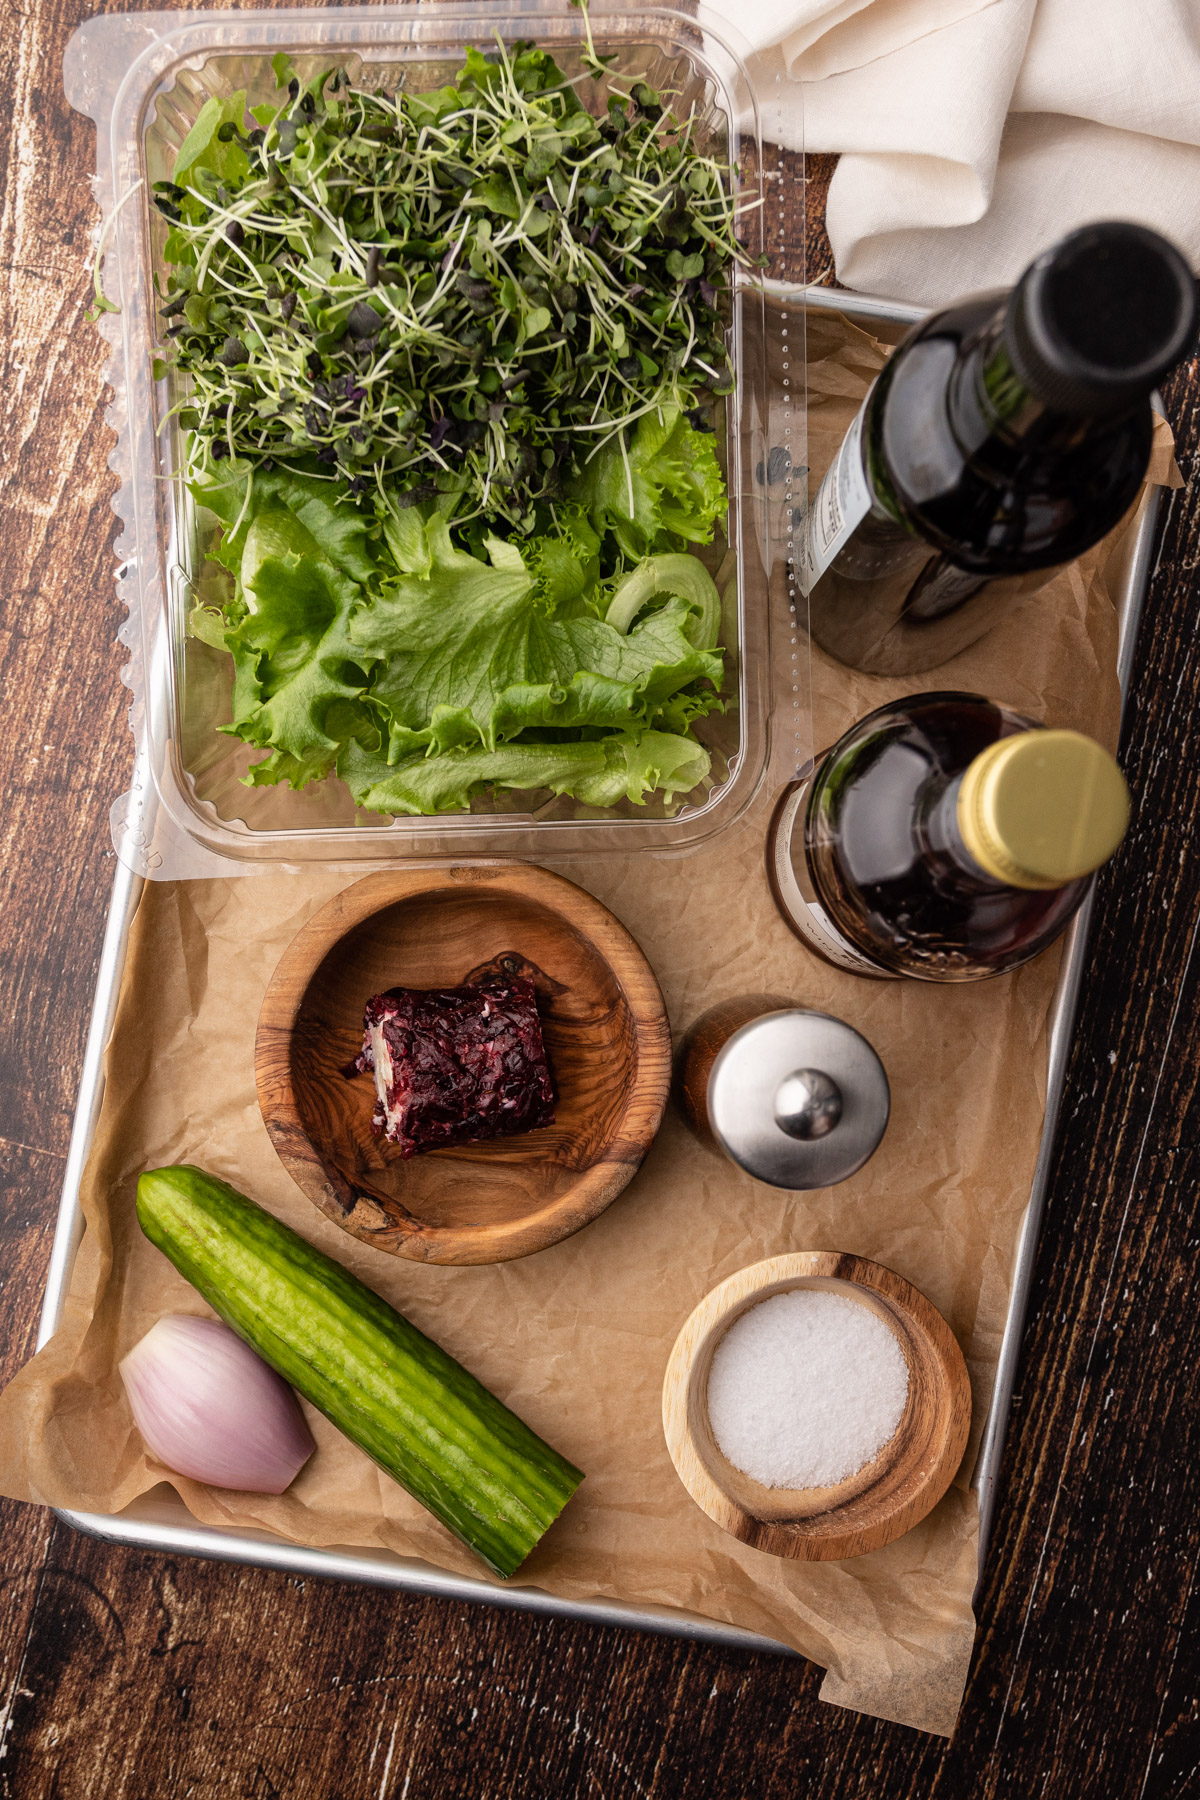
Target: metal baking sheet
{"points": [[159, 1520]]}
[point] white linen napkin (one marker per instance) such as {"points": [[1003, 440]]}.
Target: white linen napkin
{"points": [[973, 133]]}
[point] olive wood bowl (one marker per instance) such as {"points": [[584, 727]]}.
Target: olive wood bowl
{"points": [[882, 1500], [605, 1030]]}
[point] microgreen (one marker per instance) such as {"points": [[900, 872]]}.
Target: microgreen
{"points": [[465, 293]]}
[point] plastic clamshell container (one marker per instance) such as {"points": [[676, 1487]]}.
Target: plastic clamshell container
{"points": [[143, 78]]}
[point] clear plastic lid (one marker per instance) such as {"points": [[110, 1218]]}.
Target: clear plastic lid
{"points": [[143, 79]]}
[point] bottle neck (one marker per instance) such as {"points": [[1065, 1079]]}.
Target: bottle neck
{"points": [[987, 399], [940, 835]]}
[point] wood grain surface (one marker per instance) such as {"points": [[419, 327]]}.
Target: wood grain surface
{"points": [[127, 1676], [606, 1034], [876, 1503]]}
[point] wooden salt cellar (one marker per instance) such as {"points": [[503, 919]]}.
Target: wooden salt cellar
{"points": [[881, 1501]]}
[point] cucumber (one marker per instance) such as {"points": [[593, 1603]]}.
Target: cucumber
{"points": [[410, 1406]]}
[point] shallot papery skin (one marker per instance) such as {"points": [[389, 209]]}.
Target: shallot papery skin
{"points": [[208, 1407]]}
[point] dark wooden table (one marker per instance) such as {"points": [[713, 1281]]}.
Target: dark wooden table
{"points": [[135, 1677]]}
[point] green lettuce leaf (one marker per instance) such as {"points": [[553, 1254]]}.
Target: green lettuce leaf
{"points": [[404, 533], [420, 673], [299, 678], [566, 565], [599, 772], [446, 781], [471, 654], [678, 714], [664, 487], [637, 766], [338, 529]]}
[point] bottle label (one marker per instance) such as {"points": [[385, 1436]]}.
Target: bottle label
{"points": [[794, 891], [941, 588], [841, 502]]}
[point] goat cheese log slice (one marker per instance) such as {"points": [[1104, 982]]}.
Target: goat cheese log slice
{"points": [[456, 1065]]}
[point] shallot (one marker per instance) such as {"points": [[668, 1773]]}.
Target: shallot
{"points": [[208, 1407]]}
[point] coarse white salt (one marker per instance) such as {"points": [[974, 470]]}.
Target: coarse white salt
{"points": [[806, 1388]]}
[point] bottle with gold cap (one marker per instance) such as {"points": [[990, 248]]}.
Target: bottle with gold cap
{"points": [[944, 837]]}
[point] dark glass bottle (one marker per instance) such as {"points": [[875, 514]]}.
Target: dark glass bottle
{"points": [[1006, 435], [945, 838]]}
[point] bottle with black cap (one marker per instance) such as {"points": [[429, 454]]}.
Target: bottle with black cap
{"points": [[1006, 435]]}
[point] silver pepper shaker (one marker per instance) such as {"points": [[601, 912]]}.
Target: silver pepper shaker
{"points": [[796, 1098]]}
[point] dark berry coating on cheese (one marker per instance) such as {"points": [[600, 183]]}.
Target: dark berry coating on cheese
{"points": [[456, 1065]]}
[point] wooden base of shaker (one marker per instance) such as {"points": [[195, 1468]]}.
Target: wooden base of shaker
{"points": [[701, 1047], [794, 895]]}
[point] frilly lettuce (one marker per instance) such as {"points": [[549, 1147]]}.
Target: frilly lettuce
{"points": [[423, 674], [299, 678], [600, 772], [473, 654], [662, 489], [342, 534]]}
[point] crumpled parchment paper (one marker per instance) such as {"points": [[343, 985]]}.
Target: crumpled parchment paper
{"points": [[576, 1338]]}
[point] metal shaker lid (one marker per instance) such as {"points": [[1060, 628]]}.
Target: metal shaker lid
{"points": [[798, 1099]]}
